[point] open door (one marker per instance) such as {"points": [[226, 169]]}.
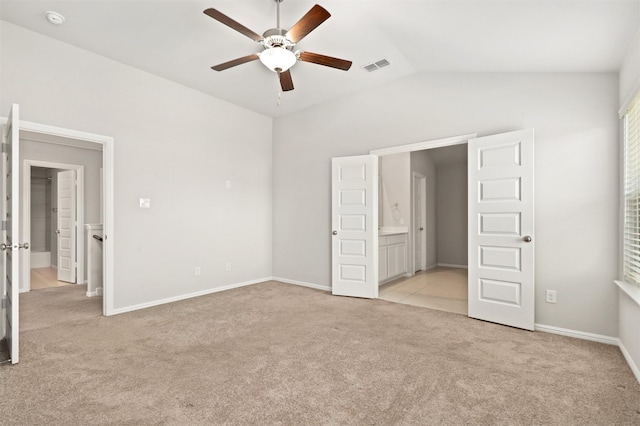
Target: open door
{"points": [[66, 230], [419, 222], [10, 257], [354, 217], [501, 229]]}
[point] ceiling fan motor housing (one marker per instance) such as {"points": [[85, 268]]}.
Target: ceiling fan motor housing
{"points": [[276, 37]]}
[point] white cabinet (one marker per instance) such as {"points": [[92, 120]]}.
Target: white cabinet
{"points": [[392, 257], [383, 271]]}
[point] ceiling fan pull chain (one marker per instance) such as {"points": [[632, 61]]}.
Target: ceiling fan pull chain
{"points": [[279, 97]]}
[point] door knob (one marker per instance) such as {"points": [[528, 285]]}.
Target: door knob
{"points": [[5, 247], [24, 246], [527, 239], [335, 232], [422, 229], [57, 231]]}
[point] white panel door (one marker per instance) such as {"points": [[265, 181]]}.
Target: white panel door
{"points": [[501, 229], [354, 213], [10, 258], [67, 226]]}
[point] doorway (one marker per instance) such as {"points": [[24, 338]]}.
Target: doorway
{"points": [[53, 140], [53, 212], [500, 225], [433, 186]]}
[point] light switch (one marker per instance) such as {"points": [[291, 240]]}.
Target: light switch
{"points": [[145, 203], [227, 184]]}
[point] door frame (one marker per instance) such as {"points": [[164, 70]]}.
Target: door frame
{"points": [[69, 137], [25, 217], [419, 180]]}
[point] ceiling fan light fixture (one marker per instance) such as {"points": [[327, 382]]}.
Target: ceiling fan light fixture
{"points": [[278, 59]]}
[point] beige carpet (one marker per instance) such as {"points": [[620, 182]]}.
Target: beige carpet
{"points": [[274, 353]]}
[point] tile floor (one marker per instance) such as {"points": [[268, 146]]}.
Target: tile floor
{"points": [[45, 278], [441, 288]]}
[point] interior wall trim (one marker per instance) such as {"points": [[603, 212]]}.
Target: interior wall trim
{"points": [[451, 265], [419, 146], [627, 356], [600, 338], [158, 302], [302, 283]]}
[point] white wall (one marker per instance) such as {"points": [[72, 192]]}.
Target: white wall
{"points": [[173, 145], [576, 149], [421, 162], [452, 214], [630, 71], [395, 170]]}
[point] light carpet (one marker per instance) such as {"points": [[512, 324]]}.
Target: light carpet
{"points": [[275, 353]]}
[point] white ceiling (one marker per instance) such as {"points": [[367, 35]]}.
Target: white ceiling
{"points": [[175, 40]]}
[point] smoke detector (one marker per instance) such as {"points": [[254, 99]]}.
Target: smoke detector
{"points": [[54, 17]]}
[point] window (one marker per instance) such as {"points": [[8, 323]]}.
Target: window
{"points": [[631, 267]]}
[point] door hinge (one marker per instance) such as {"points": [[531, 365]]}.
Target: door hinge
{"points": [[4, 225], [3, 304], [4, 148]]}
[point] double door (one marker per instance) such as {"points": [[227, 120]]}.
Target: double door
{"points": [[501, 224]]}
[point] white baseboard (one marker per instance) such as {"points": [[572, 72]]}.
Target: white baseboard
{"points": [[632, 364], [435, 265], [578, 334], [595, 338], [186, 296], [302, 283], [98, 292], [450, 265]]}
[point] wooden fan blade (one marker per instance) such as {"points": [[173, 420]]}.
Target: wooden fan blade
{"points": [[309, 22], [327, 61], [285, 81], [221, 17], [233, 63]]}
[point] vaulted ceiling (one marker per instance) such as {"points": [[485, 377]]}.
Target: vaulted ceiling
{"points": [[177, 41]]}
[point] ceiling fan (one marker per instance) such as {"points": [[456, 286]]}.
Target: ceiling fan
{"points": [[279, 54]]}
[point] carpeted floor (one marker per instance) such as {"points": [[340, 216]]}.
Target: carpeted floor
{"points": [[275, 353]]}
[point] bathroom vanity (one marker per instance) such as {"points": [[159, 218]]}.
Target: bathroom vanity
{"points": [[392, 255]]}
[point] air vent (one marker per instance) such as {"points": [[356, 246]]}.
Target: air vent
{"points": [[374, 66]]}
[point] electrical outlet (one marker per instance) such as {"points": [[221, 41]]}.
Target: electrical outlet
{"points": [[197, 270], [228, 267], [550, 296]]}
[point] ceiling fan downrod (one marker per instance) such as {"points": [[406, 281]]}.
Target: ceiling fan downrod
{"points": [[278, 12]]}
